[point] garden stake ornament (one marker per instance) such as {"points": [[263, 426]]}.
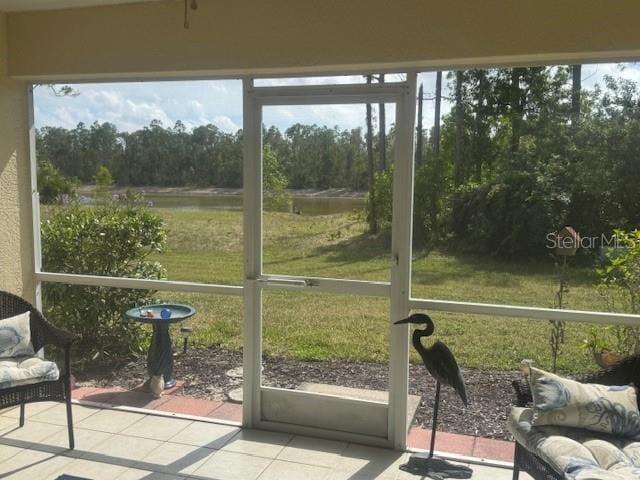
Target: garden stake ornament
{"points": [[442, 365], [567, 242]]}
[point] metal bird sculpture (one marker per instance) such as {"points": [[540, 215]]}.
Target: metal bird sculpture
{"points": [[442, 365]]}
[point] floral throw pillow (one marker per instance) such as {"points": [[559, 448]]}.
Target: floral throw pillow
{"points": [[600, 408], [15, 336]]}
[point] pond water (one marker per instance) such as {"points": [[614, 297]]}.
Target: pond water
{"points": [[305, 205]]}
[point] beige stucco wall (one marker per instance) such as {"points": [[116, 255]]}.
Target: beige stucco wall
{"points": [[249, 36], [275, 36], [16, 252]]}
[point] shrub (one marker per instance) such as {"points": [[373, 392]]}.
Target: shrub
{"points": [[509, 216], [431, 194], [383, 186], [53, 186], [275, 182], [429, 206], [104, 181], [112, 240], [620, 290], [621, 276]]}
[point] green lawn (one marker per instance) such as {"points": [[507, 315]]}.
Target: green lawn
{"points": [[206, 246]]}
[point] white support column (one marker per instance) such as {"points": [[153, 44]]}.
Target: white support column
{"points": [[252, 215], [401, 267], [35, 197]]}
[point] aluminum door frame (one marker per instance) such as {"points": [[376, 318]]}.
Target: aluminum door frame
{"points": [[389, 420]]}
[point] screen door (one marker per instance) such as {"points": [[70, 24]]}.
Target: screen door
{"points": [[318, 309]]}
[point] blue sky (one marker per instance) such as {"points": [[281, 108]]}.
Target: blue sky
{"points": [[133, 105]]}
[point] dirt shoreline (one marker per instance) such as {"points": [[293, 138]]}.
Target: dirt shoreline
{"points": [[214, 192]]}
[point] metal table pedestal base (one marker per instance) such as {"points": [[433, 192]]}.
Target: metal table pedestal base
{"points": [[160, 355]]}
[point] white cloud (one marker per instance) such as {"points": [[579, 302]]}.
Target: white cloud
{"points": [[218, 87], [594, 74], [309, 80], [225, 123], [131, 106], [196, 108], [343, 116]]}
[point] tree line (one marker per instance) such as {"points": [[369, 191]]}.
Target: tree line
{"points": [[521, 153], [309, 156], [525, 151]]}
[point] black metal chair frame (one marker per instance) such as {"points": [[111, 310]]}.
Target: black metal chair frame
{"points": [[623, 373], [43, 333]]}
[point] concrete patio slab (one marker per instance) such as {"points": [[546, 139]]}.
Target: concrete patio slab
{"points": [[210, 435], [231, 412], [198, 450], [413, 401], [172, 403], [110, 421], [258, 443], [189, 406], [58, 414], [156, 428]]}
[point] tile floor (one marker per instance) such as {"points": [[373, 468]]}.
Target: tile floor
{"points": [[173, 402], [112, 444]]}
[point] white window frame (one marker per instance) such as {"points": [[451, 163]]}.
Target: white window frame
{"points": [[400, 295]]}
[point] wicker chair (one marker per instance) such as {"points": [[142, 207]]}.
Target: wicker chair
{"points": [[42, 334], [623, 373]]}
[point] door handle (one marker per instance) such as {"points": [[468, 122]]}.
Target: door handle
{"points": [[284, 282]]}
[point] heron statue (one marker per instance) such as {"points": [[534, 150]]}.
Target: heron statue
{"points": [[442, 365]]}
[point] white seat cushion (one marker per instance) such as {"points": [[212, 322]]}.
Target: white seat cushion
{"points": [[26, 370], [15, 336], [577, 453]]}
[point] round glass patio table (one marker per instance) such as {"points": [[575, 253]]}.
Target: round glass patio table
{"points": [[160, 355]]}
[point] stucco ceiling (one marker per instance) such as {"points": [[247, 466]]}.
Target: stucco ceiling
{"points": [[25, 5]]}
